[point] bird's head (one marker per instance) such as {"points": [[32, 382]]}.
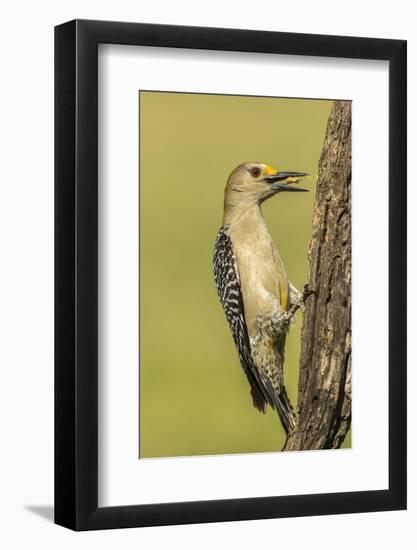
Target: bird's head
{"points": [[254, 182]]}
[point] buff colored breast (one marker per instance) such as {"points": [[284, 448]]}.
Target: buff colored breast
{"points": [[262, 274]]}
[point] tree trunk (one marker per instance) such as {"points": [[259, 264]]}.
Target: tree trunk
{"points": [[324, 388]]}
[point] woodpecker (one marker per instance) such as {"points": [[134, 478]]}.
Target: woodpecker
{"points": [[258, 299]]}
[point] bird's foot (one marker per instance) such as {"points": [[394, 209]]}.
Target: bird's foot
{"points": [[308, 291], [298, 302]]}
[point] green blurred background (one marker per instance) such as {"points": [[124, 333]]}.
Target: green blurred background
{"points": [[194, 397]]}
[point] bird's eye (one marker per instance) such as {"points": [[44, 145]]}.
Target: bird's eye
{"points": [[255, 171]]}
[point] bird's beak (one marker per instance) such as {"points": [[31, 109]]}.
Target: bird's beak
{"points": [[280, 181]]}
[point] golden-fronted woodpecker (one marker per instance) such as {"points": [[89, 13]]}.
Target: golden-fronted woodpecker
{"points": [[256, 295]]}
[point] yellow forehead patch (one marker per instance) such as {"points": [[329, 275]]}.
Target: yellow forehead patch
{"points": [[268, 171]]}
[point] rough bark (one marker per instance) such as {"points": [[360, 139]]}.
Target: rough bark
{"points": [[324, 388]]}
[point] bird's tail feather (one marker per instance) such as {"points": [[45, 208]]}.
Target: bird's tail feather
{"points": [[279, 400], [283, 406]]}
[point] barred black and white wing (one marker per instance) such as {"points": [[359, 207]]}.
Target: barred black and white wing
{"points": [[226, 275]]}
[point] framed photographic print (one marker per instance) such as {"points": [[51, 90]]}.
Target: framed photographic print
{"points": [[230, 252]]}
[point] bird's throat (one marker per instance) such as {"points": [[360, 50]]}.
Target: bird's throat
{"points": [[244, 214]]}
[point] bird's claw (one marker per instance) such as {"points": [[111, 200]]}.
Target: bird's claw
{"points": [[308, 291]]}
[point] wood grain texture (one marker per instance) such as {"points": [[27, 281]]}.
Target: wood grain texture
{"points": [[324, 389]]}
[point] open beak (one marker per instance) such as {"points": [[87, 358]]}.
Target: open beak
{"points": [[280, 181]]}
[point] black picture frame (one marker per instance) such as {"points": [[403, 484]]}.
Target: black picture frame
{"points": [[76, 272]]}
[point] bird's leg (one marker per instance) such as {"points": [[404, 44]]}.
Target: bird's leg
{"points": [[297, 301], [296, 297]]}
